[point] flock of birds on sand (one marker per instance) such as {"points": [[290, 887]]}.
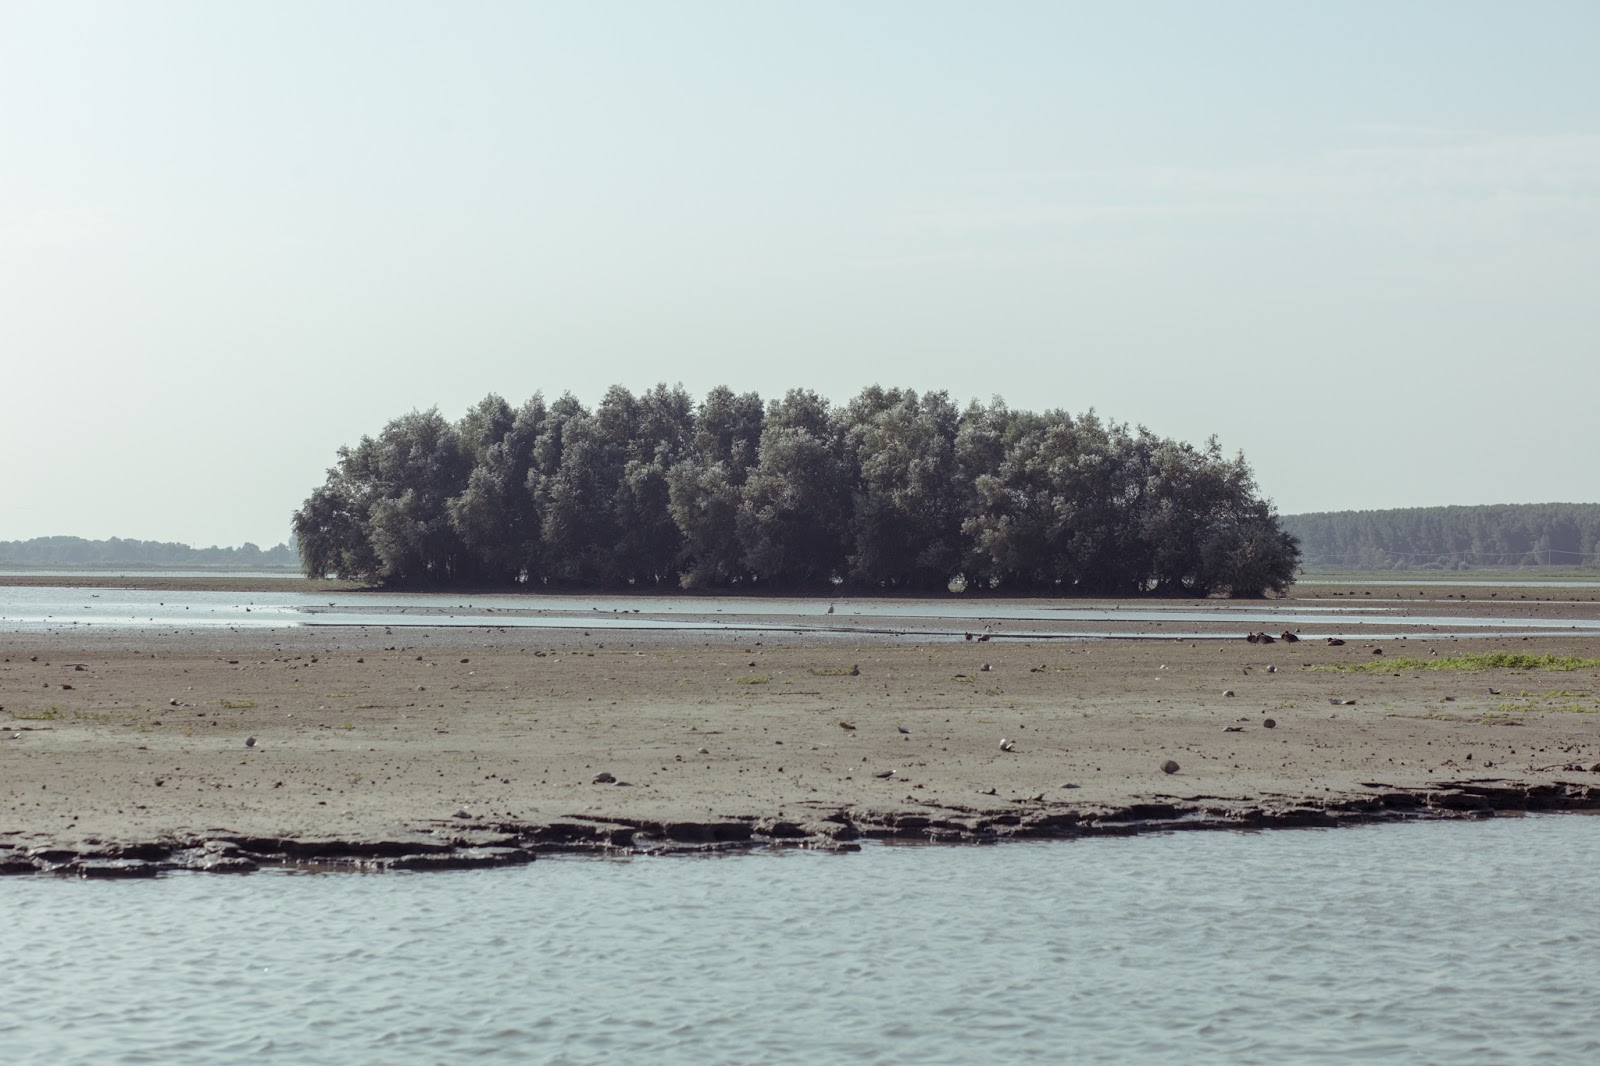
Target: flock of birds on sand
{"points": [[1286, 636]]}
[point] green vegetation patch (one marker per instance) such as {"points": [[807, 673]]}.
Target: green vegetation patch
{"points": [[1473, 663], [830, 671], [49, 714], [237, 705], [753, 679]]}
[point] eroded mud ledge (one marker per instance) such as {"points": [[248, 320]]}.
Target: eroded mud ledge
{"points": [[469, 844]]}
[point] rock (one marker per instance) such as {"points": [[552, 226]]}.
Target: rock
{"points": [[1006, 745], [1377, 651], [462, 812], [984, 668], [249, 742], [1070, 784], [855, 670], [1169, 767], [703, 751], [846, 725], [604, 778], [1269, 724], [883, 773], [1227, 692], [1272, 669], [902, 729]]}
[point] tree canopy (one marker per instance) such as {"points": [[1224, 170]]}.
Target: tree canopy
{"points": [[893, 491]]}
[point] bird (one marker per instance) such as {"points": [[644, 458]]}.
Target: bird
{"points": [[1290, 638], [830, 608]]}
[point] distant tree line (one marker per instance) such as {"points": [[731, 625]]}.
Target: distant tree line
{"points": [[892, 491], [76, 551], [1451, 538]]}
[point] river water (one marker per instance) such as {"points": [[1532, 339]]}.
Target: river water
{"points": [[1454, 943], [43, 609]]}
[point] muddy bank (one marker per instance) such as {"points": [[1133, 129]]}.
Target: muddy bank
{"points": [[122, 755], [465, 846]]}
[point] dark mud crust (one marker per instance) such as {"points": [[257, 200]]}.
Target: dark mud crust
{"points": [[478, 843]]}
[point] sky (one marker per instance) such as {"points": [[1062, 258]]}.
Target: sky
{"points": [[1358, 241]]}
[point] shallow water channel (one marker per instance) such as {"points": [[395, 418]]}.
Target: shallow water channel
{"points": [[57, 609]]}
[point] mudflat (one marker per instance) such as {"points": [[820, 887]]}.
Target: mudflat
{"points": [[125, 754]]}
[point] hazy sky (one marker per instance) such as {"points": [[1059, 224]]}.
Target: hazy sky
{"points": [[1359, 241]]}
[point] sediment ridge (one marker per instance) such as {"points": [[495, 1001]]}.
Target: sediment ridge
{"points": [[127, 754]]}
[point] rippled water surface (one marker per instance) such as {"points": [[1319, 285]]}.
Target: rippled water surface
{"points": [[1445, 942]]}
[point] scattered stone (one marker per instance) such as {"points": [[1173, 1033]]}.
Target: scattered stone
{"points": [[984, 668], [1343, 703], [1169, 767], [1227, 692], [1006, 745], [855, 670], [1272, 669], [985, 791], [883, 773], [1377, 651], [1269, 724], [172, 702], [249, 742], [847, 725], [462, 812], [604, 778], [1233, 729], [703, 751], [902, 729], [1070, 784]]}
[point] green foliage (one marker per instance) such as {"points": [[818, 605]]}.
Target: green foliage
{"points": [[1473, 662], [894, 490]]}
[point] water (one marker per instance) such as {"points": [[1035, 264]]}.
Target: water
{"points": [[1455, 943], [47, 608]]}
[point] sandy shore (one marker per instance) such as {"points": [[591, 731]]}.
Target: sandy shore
{"points": [[123, 754]]}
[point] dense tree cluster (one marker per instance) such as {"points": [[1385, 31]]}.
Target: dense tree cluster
{"points": [[892, 491], [76, 551], [1451, 538]]}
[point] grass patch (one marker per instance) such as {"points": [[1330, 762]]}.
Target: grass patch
{"points": [[753, 679], [1472, 663], [829, 671], [49, 714], [237, 705]]}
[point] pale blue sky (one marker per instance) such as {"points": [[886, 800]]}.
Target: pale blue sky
{"points": [[1360, 241]]}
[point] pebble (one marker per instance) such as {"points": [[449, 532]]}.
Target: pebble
{"points": [[1006, 745], [1169, 767], [604, 778], [1269, 724], [703, 751], [249, 742], [1227, 692]]}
